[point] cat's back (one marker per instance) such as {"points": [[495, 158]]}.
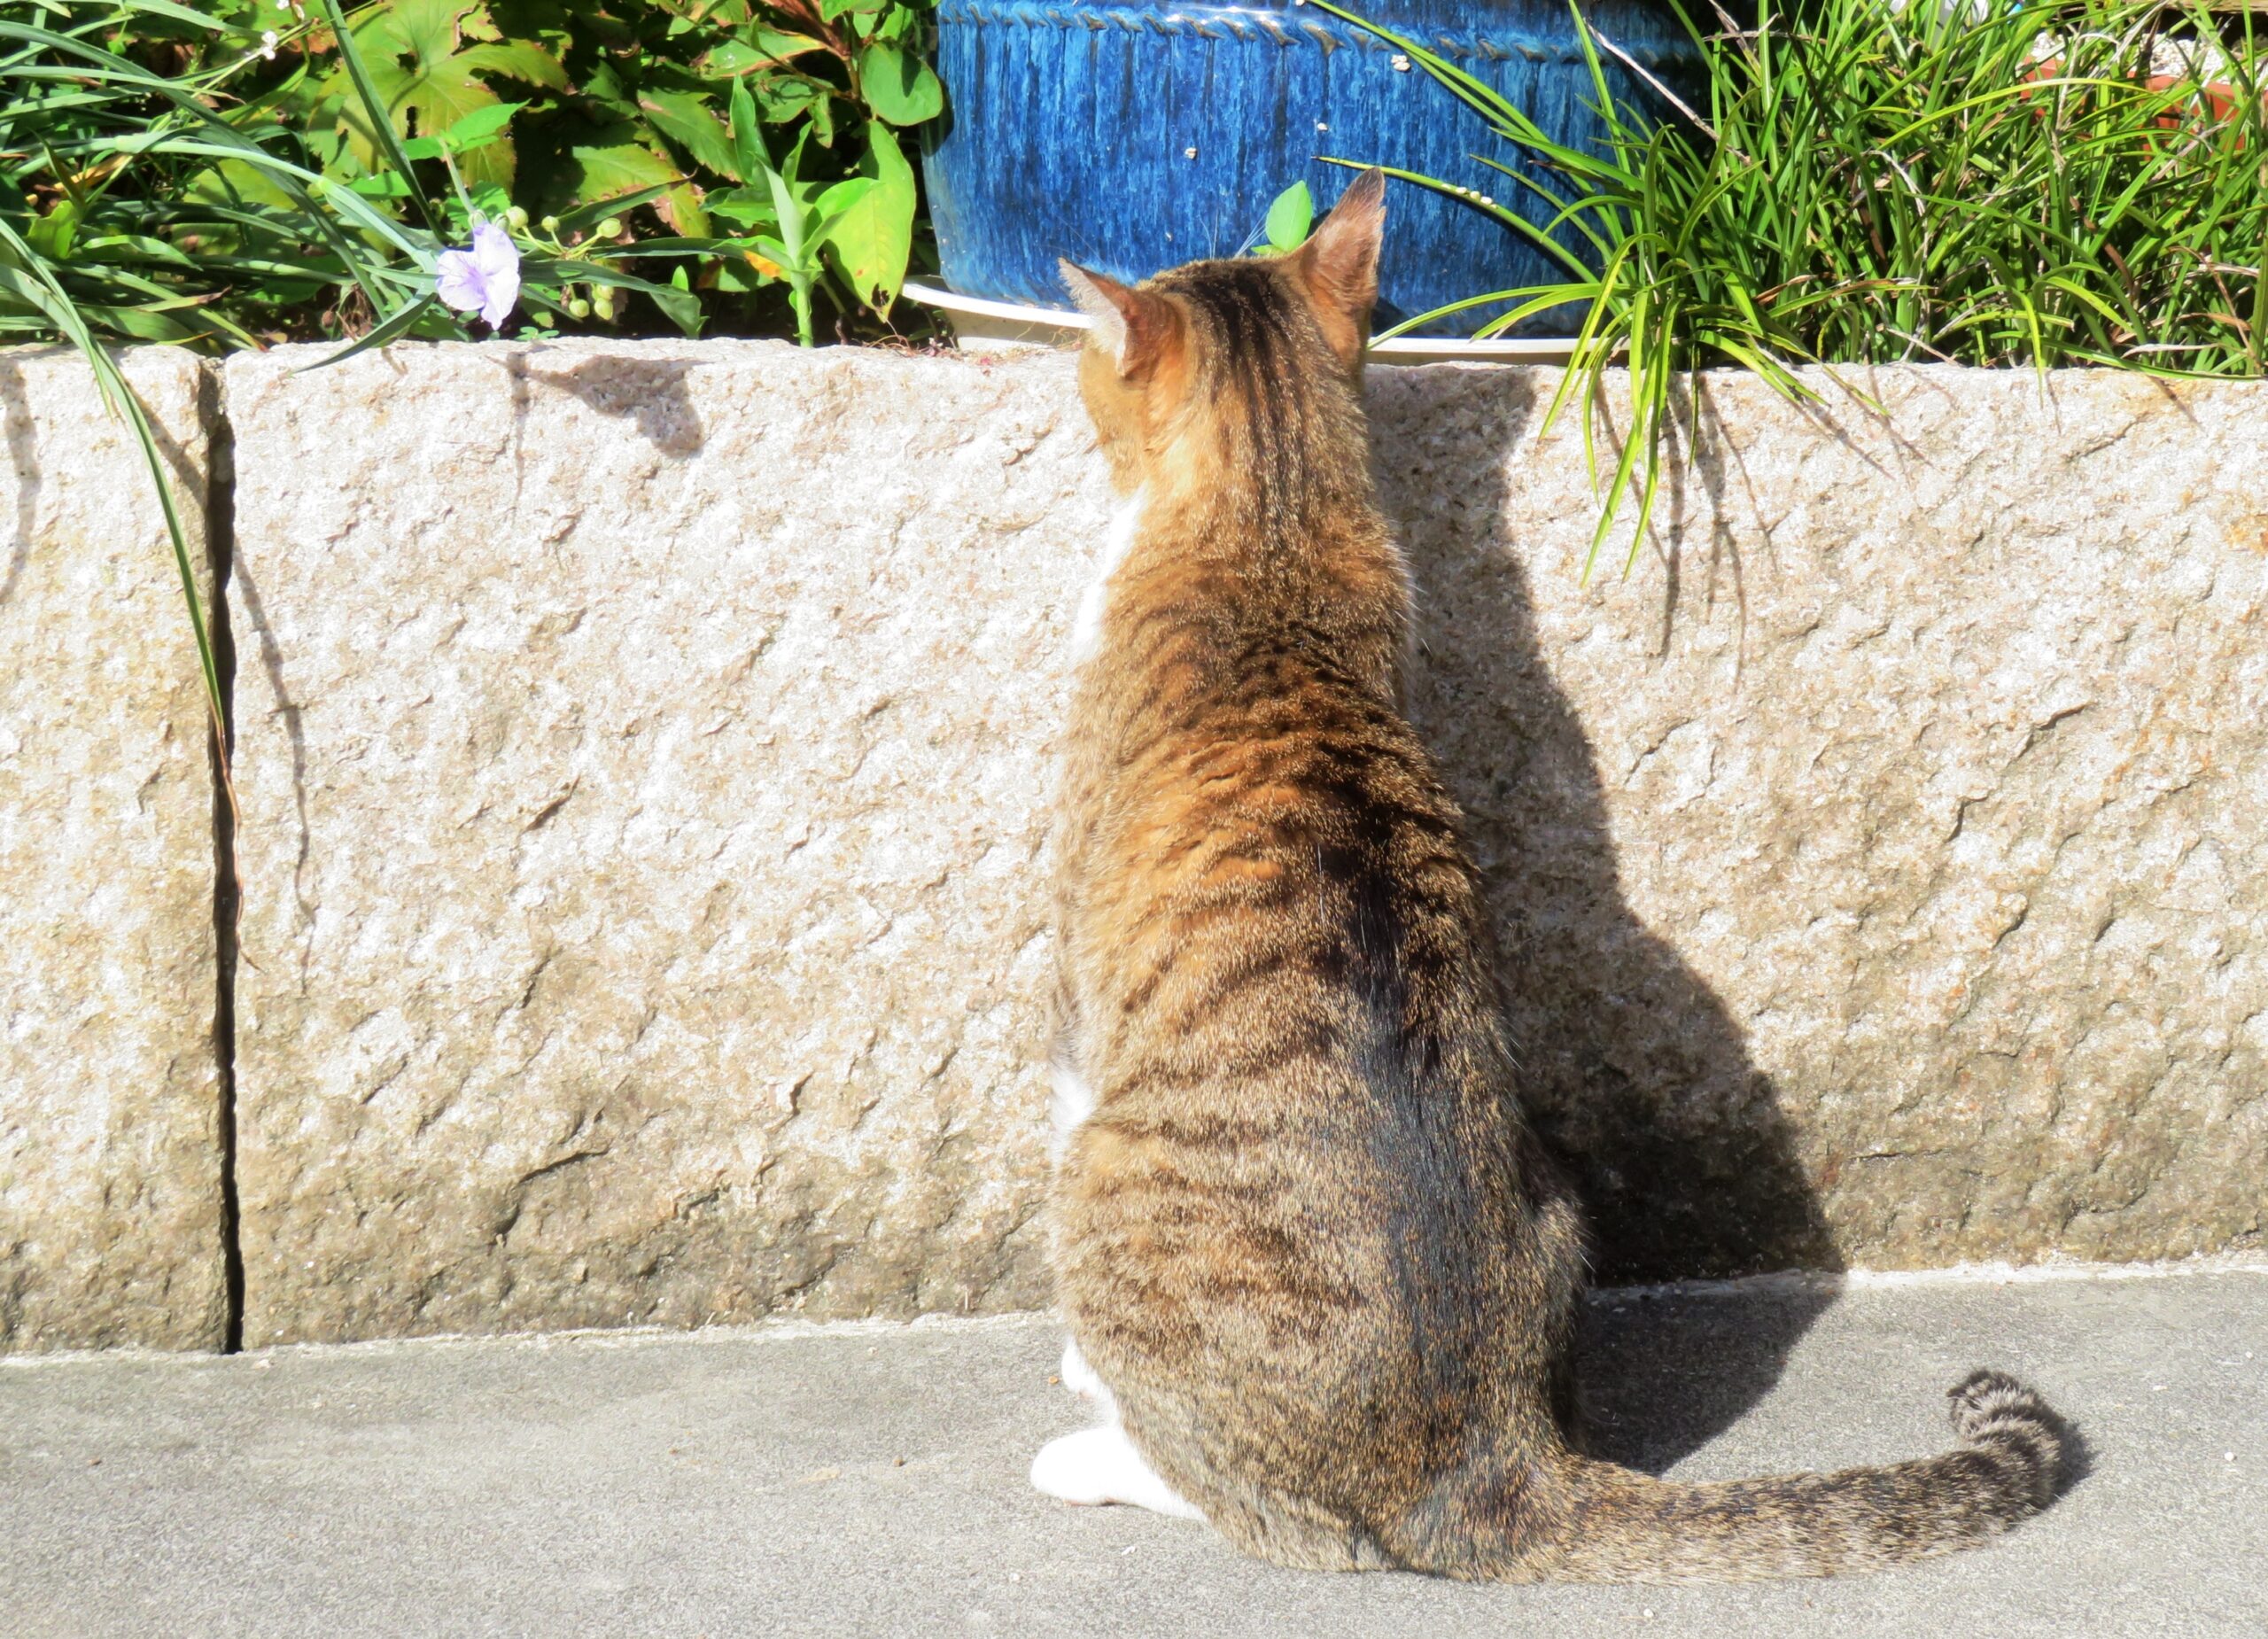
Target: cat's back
{"points": [[1288, 1213], [1296, 1065]]}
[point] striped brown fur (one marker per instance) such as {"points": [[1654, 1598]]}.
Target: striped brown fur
{"points": [[1306, 1237]]}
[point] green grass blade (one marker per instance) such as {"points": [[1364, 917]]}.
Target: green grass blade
{"points": [[380, 116], [119, 393]]}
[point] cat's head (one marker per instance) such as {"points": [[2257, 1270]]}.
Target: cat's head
{"points": [[1207, 334]]}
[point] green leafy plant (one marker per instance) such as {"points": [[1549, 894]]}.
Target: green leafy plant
{"points": [[575, 111], [2077, 184], [246, 171], [856, 222], [633, 102]]}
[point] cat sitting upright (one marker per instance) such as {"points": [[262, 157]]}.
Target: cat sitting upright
{"points": [[1319, 1275]]}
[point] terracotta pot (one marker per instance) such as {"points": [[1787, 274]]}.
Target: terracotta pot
{"points": [[2218, 98]]}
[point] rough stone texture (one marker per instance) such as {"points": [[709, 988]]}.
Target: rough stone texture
{"points": [[110, 1197], [645, 775], [1880, 867], [645, 754]]}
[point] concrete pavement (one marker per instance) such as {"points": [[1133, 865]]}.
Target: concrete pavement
{"points": [[869, 1481]]}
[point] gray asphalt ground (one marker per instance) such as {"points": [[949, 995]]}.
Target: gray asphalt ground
{"points": [[869, 1481]]}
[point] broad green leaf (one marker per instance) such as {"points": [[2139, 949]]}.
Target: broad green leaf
{"points": [[518, 59], [898, 86], [836, 199], [743, 207], [751, 155], [431, 82], [783, 101], [481, 126], [681, 208], [820, 114], [601, 84], [870, 239], [51, 235], [476, 130], [605, 170], [901, 23], [426, 29], [759, 48], [686, 118], [1290, 218]]}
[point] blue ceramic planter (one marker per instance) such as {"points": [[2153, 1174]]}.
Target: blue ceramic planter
{"points": [[1130, 137]]}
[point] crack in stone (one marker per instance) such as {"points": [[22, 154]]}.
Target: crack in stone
{"points": [[227, 887]]}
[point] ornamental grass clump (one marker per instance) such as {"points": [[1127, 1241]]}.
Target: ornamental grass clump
{"points": [[1850, 182]]}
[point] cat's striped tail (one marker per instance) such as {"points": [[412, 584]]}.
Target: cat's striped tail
{"points": [[1609, 1524]]}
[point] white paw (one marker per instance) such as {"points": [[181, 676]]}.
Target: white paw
{"points": [[1079, 1377], [1071, 1470], [1100, 1465]]}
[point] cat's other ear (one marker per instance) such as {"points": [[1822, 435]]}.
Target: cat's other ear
{"points": [[1137, 328], [1340, 264]]}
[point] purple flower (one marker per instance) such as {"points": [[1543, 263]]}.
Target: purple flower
{"points": [[484, 279]]}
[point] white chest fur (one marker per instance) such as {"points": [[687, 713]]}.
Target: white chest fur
{"points": [[1086, 630], [1070, 1102]]}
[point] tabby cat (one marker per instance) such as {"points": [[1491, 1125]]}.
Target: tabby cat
{"points": [[1318, 1272]]}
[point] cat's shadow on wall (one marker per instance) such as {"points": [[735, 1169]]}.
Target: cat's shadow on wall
{"points": [[1633, 1068]]}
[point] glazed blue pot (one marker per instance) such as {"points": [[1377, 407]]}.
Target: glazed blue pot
{"points": [[1131, 138]]}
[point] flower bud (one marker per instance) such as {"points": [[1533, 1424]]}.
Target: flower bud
{"points": [[550, 224], [516, 219], [611, 228], [578, 308]]}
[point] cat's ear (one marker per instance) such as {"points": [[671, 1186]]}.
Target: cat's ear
{"points": [[1340, 264], [1134, 327]]}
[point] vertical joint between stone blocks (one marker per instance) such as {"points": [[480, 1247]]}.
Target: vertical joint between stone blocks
{"points": [[227, 888]]}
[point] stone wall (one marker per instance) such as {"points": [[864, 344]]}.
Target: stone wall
{"points": [[644, 754], [645, 769], [644, 778], [109, 1092], [1880, 866]]}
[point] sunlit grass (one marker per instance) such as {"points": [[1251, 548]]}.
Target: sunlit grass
{"points": [[1852, 184]]}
